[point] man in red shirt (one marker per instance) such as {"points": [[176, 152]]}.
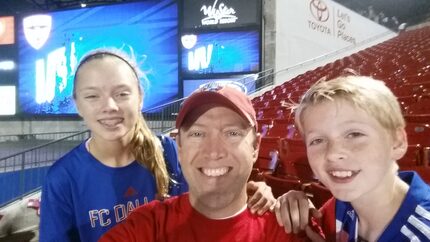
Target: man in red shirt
{"points": [[218, 144]]}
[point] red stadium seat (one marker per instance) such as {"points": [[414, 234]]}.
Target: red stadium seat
{"points": [[281, 185], [319, 194], [268, 157], [418, 133], [264, 125], [422, 106], [412, 157], [281, 127], [417, 118], [293, 160]]}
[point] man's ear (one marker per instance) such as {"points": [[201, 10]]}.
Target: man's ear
{"points": [[256, 145], [400, 144], [179, 146]]}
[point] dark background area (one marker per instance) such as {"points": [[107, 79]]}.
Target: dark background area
{"points": [[406, 11]]}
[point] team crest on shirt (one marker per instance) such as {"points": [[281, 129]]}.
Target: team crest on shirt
{"points": [[351, 214]]}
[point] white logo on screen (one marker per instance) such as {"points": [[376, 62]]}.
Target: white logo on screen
{"points": [[222, 15], [189, 41], [37, 29]]}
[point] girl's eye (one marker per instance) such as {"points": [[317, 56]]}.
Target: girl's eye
{"points": [[90, 96]]}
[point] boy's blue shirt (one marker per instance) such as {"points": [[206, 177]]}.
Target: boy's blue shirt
{"points": [[410, 223]]}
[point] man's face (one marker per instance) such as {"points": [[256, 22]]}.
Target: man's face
{"points": [[217, 150]]}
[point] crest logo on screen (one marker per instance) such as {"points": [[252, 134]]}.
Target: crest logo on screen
{"points": [[189, 41], [37, 29], [220, 14], [319, 10]]}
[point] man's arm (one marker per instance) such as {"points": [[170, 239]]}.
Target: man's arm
{"points": [[293, 211], [260, 197]]}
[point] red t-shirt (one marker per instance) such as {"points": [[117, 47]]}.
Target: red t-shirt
{"points": [[175, 220]]}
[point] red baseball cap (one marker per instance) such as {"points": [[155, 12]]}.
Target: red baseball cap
{"points": [[223, 94]]}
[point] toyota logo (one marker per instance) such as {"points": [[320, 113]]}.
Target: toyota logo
{"points": [[319, 10]]}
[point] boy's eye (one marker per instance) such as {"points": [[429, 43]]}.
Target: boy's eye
{"points": [[354, 135], [124, 94]]}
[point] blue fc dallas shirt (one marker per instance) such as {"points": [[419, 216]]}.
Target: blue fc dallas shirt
{"points": [[410, 223], [82, 198]]}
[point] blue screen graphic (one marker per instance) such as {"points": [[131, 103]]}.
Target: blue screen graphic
{"points": [[225, 52], [148, 30], [247, 80]]}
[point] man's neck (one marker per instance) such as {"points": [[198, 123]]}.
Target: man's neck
{"points": [[220, 205]]}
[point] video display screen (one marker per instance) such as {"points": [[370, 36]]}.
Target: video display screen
{"points": [[51, 45], [222, 52], [204, 14]]}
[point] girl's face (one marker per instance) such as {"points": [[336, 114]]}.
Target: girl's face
{"points": [[349, 151], [108, 98]]}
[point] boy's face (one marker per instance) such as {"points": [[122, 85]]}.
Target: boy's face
{"points": [[349, 151], [217, 153]]}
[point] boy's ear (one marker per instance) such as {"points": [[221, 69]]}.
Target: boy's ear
{"points": [[400, 144]]}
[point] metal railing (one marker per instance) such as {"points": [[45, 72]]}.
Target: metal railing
{"points": [[15, 143], [25, 171]]}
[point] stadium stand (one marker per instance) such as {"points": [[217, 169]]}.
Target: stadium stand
{"points": [[403, 63]]}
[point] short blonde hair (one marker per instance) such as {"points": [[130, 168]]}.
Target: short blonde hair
{"points": [[366, 93]]}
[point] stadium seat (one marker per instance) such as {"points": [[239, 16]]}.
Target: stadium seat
{"points": [[417, 118], [293, 161], [318, 193], [412, 157], [264, 125], [280, 127], [422, 106], [418, 133], [268, 157], [281, 185]]}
